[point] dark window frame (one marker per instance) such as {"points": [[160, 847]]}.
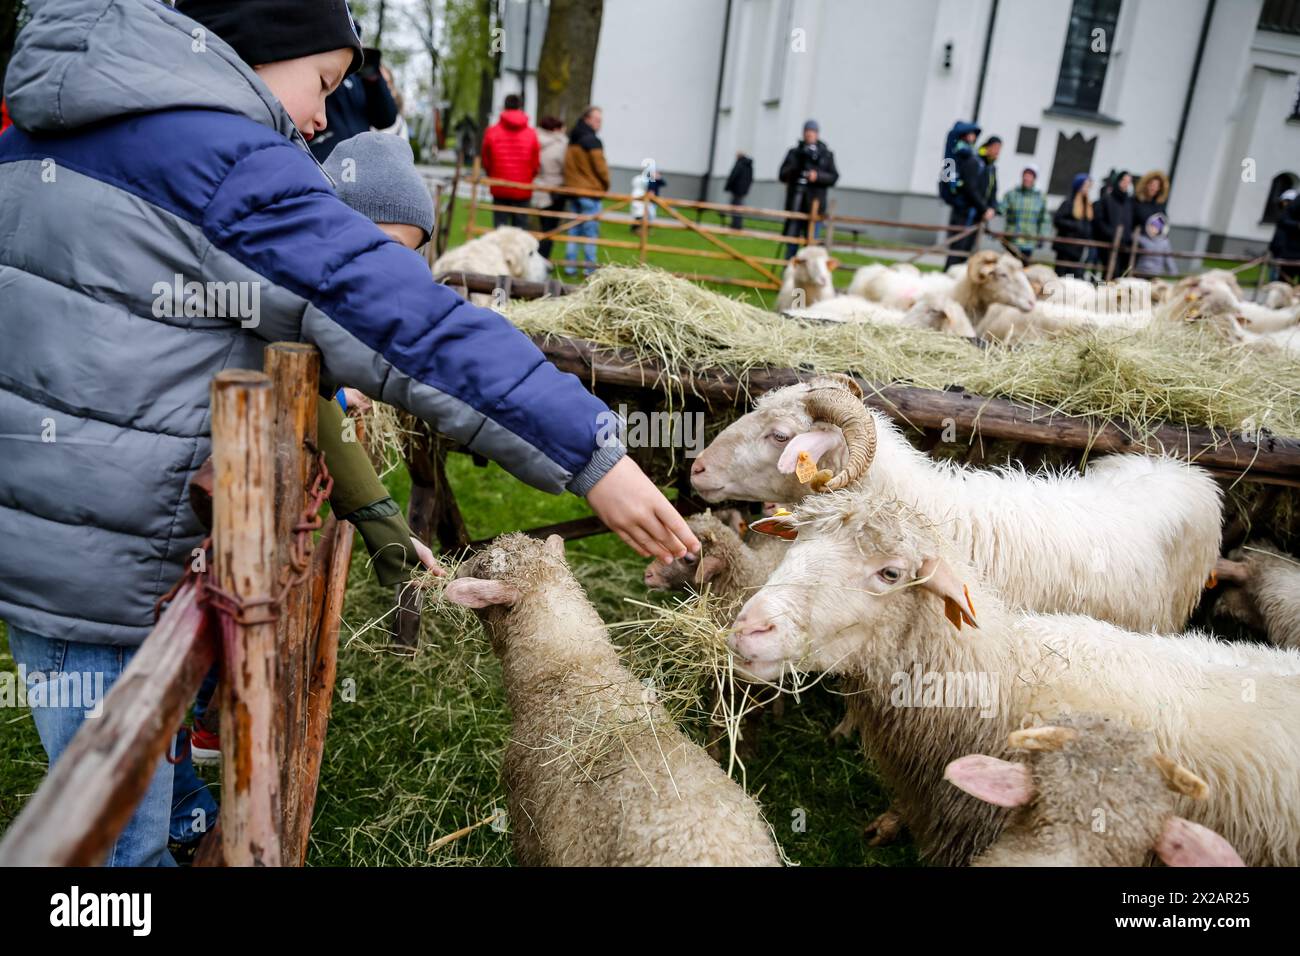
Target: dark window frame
{"points": [[1081, 78]]}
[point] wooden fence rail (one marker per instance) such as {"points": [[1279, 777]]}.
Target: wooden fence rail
{"points": [[266, 606], [1113, 258]]}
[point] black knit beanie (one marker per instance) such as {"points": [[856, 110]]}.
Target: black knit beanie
{"points": [[267, 31]]}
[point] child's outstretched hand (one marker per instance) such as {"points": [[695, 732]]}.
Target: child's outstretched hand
{"points": [[635, 510]]}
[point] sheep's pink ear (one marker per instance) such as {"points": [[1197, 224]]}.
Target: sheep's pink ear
{"points": [[939, 578], [479, 592], [999, 782], [708, 568], [832, 264], [1184, 843], [816, 443]]}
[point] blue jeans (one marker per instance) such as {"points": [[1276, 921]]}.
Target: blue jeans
{"points": [[583, 206], [176, 804]]}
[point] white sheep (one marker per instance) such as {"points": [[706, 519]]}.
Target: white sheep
{"points": [[505, 251], [937, 666], [898, 285], [1278, 295], [1132, 541], [1090, 793], [807, 279], [940, 313], [596, 773], [1267, 592], [1049, 319], [732, 567]]}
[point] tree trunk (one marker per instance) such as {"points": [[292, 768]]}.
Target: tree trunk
{"points": [[10, 13], [568, 58]]}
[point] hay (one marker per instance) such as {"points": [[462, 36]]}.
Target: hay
{"points": [[1177, 374], [384, 433]]}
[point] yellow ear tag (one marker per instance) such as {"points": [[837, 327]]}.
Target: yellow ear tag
{"points": [[956, 614], [806, 469]]}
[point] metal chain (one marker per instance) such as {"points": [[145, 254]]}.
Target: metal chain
{"points": [[247, 611]]}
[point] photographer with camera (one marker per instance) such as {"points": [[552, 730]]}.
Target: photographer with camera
{"points": [[808, 171]]}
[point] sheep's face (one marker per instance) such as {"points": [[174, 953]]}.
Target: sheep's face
{"points": [[812, 266], [853, 583], [1001, 279], [504, 575], [744, 462], [694, 571], [521, 254], [1091, 793]]}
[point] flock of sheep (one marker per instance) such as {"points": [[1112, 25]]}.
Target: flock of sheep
{"points": [[1012, 647], [1111, 737], [995, 297]]}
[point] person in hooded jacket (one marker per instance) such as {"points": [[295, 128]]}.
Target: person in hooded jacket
{"points": [[157, 149], [1150, 196], [1115, 212], [964, 188], [511, 151]]}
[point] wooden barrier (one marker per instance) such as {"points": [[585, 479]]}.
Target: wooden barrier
{"points": [[266, 606], [1110, 255]]}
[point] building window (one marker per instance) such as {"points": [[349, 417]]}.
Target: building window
{"points": [[1281, 183], [1088, 43], [782, 17], [1280, 16], [1027, 140], [1295, 104]]}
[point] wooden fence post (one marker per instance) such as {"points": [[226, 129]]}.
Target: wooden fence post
{"points": [[243, 531], [812, 221], [1264, 269], [294, 368], [471, 220], [1114, 254], [645, 226]]}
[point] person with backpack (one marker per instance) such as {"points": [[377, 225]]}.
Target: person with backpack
{"points": [[963, 186]]}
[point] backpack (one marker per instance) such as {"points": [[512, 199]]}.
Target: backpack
{"points": [[949, 181]]}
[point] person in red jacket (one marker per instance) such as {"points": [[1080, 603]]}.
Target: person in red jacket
{"points": [[4, 116], [511, 151]]}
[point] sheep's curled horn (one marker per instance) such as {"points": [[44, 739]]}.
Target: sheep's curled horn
{"points": [[840, 407]]}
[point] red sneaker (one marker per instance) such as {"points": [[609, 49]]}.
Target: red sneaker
{"points": [[205, 746]]}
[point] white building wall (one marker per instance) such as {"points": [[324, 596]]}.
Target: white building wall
{"points": [[871, 72]]}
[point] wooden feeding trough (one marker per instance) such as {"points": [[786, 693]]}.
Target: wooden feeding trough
{"points": [[265, 603]]}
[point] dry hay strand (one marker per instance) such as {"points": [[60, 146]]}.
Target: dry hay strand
{"points": [[385, 432], [1179, 374]]}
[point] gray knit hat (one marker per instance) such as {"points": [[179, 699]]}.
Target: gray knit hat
{"points": [[375, 174]]}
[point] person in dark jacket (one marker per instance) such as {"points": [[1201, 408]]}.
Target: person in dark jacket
{"points": [[1285, 243], [1114, 212], [808, 172], [1074, 220], [114, 265], [739, 181], [964, 188], [362, 101]]}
